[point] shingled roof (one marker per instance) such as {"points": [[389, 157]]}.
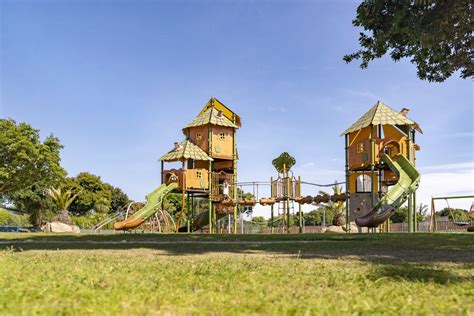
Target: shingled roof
{"points": [[380, 113], [186, 150], [211, 116]]}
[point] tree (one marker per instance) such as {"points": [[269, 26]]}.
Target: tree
{"points": [[455, 214], [172, 203], [25, 161], [422, 212], [259, 220], [435, 34], [401, 214], [315, 217], [336, 208], [119, 198], [63, 199], [312, 218], [95, 194], [35, 202]]}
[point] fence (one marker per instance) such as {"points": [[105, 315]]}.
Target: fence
{"points": [[422, 227]]}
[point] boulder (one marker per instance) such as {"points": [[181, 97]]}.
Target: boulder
{"points": [[58, 227], [334, 230], [354, 228]]}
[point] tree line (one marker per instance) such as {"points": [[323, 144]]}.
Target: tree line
{"points": [[32, 179]]}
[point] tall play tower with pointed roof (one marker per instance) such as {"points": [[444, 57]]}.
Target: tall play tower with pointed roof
{"points": [[380, 131], [209, 161]]}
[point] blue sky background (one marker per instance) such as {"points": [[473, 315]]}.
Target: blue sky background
{"points": [[116, 81]]}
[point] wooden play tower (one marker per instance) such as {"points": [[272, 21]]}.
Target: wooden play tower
{"points": [[381, 130], [209, 162]]}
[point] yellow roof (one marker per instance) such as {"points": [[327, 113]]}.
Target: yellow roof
{"points": [[186, 150], [382, 114], [216, 113], [211, 116], [213, 102]]}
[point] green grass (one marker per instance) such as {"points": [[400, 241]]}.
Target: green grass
{"points": [[244, 274]]}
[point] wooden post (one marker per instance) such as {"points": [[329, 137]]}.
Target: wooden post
{"points": [[209, 198], [209, 151], [162, 169], [188, 219], [410, 205], [415, 220], [183, 190], [433, 216], [348, 178], [372, 163], [234, 160], [272, 218], [300, 211]]}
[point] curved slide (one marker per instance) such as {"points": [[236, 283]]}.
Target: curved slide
{"points": [[154, 201], [408, 181]]}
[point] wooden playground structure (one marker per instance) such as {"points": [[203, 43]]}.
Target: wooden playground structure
{"points": [[380, 174]]}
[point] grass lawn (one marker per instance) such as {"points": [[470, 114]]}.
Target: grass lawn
{"points": [[244, 274]]}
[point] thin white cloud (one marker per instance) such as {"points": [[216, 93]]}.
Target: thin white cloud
{"points": [[460, 167], [459, 135], [447, 180]]}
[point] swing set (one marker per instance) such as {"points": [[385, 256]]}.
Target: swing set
{"points": [[452, 218]]}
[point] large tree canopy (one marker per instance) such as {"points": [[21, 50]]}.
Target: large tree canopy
{"points": [[119, 199], [25, 161], [94, 194], [435, 34]]}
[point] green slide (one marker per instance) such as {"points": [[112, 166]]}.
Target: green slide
{"points": [[408, 181], [154, 201]]}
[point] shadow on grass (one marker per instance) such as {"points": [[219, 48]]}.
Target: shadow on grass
{"points": [[374, 248], [420, 273]]}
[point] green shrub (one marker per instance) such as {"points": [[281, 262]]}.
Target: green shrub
{"points": [[24, 220], [9, 219], [89, 220]]}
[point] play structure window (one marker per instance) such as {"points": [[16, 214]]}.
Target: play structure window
{"points": [[363, 183], [360, 148], [198, 174], [222, 135], [198, 136]]}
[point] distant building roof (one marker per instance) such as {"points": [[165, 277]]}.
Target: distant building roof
{"points": [[185, 150], [380, 113]]}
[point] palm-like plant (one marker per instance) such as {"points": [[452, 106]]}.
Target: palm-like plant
{"points": [[62, 199], [422, 212], [337, 208]]}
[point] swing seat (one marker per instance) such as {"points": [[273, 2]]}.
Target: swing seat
{"points": [[461, 223]]}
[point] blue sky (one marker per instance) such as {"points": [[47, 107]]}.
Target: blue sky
{"points": [[116, 81]]}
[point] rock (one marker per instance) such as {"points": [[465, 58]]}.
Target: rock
{"points": [[58, 227], [334, 229], [354, 228]]}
